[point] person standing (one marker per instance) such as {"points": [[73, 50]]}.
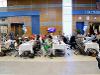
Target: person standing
{"points": [[98, 59]]}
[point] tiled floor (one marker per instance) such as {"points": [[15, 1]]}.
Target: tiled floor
{"points": [[68, 65]]}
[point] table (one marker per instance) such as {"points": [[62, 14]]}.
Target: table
{"points": [[93, 45], [59, 46], [28, 46], [87, 39]]}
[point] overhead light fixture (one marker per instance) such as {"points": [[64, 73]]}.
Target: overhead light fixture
{"points": [[95, 18], [87, 18], [79, 17]]}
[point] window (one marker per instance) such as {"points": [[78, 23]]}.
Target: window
{"points": [[3, 3]]}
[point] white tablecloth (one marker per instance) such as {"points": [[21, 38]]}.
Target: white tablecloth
{"points": [[59, 46], [28, 46], [87, 40], [92, 45]]}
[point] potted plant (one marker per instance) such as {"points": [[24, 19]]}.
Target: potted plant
{"points": [[78, 31]]}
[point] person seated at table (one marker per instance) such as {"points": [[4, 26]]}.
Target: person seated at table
{"points": [[98, 43], [79, 46], [50, 36], [42, 38], [64, 39], [37, 45], [12, 45], [19, 40], [93, 36], [25, 39], [72, 42], [9, 43], [56, 39], [48, 46], [38, 39], [61, 41], [90, 38]]}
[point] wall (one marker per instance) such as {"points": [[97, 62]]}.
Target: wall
{"points": [[29, 2], [83, 19], [50, 12], [84, 5]]}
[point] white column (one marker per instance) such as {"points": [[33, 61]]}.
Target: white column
{"points": [[3, 3], [67, 17]]}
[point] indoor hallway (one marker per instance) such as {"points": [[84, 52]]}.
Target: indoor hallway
{"points": [[69, 65]]}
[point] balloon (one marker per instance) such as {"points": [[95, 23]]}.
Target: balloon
{"points": [[51, 29]]}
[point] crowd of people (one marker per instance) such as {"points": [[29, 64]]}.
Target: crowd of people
{"points": [[45, 42], [42, 45]]}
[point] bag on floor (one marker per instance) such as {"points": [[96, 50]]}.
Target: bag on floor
{"points": [[31, 55], [25, 54], [91, 52], [2, 54], [59, 53]]}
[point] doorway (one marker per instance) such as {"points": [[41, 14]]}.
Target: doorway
{"points": [[80, 27], [16, 28]]}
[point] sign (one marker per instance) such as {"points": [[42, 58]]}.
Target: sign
{"points": [[86, 12]]}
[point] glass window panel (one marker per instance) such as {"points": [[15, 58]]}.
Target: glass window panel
{"points": [[3, 3]]}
